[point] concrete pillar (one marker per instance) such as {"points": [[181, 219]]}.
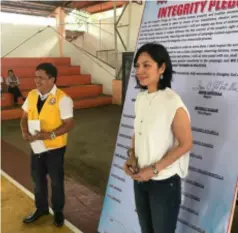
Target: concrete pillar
{"points": [[60, 23], [117, 92]]}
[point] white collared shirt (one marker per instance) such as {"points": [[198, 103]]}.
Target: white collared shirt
{"points": [[153, 131], [65, 104], [10, 79]]}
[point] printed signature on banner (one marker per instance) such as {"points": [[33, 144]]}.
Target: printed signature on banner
{"points": [[216, 85]]}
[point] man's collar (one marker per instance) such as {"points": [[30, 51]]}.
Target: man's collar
{"points": [[52, 91]]}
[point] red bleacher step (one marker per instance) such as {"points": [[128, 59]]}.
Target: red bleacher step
{"points": [[83, 91], [11, 62], [6, 100], [80, 91], [16, 113], [73, 92], [29, 72], [92, 102], [11, 114], [77, 86], [82, 79]]}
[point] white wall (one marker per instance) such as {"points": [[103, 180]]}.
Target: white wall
{"points": [[101, 73], [91, 40], [136, 17], [44, 44], [94, 40]]}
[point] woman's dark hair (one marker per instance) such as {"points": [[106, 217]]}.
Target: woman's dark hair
{"points": [[160, 55], [49, 69]]}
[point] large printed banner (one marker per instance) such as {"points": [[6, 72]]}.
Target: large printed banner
{"points": [[202, 39]]}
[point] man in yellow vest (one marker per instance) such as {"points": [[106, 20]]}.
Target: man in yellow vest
{"points": [[54, 110]]}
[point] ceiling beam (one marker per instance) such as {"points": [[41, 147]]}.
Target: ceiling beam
{"points": [[84, 4], [67, 3], [104, 6]]}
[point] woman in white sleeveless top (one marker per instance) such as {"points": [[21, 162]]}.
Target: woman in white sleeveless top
{"points": [[159, 156]]}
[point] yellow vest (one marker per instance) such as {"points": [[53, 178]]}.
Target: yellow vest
{"points": [[49, 116]]}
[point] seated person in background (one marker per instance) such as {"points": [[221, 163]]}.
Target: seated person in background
{"points": [[13, 83]]}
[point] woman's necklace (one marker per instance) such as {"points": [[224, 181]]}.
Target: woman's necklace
{"points": [[149, 98]]}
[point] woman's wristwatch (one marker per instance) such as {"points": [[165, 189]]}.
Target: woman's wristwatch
{"points": [[155, 170]]}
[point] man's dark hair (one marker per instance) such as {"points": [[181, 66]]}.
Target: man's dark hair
{"points": [[49, 69]]}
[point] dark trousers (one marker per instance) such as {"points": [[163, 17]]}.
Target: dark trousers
{"points": [[15, 91], [157, 204], [52, 163]]}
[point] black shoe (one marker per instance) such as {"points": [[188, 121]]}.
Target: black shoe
{"points": [[33, 217], [59, 219]]}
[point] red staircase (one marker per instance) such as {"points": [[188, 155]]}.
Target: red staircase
{"points": [[77, 85]]}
